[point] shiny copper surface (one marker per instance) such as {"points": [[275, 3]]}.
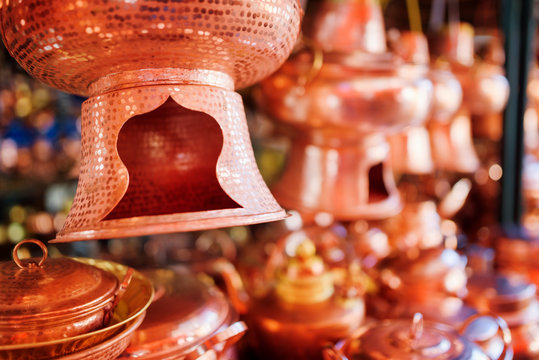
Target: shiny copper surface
{"points": [[337, 97], [514, 299], [49, 299], [455, 138], [186, 313], [349, 26], [241, 41], [417, 339], [131, 307], [173, 90]]}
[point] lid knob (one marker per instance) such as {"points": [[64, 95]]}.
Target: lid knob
{"points": [[416, 330], [304, 279], [29, 264]]}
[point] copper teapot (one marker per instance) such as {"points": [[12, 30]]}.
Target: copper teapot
{"points": [[300, 303], [417, 339]]}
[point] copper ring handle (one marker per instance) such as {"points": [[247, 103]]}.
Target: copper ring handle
{"points": [[318, 61], [31, 264], [503, 329]]}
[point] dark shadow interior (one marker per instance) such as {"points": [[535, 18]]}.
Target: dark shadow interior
{"points": [[377, 188], [171, 155]]}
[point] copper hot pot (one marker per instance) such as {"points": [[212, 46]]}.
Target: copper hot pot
{"points": [[49, 299]]}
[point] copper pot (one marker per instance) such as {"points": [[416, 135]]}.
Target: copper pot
{"points": [[298, 303], [49, 299], [402, 339], [188, 317], [514, 299]]}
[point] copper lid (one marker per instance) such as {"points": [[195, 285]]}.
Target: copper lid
{"points": [[186, 311], [403, 339], [44, 289]]}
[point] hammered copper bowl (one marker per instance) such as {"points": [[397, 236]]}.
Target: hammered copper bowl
{"points": [[71, 44], [362, 94], [130, 308]]}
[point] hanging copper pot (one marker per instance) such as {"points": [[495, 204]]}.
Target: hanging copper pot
{"points": [[188, 318], [297, 303], [48, 299], [165, 146], [513, 299], [337, 101], [419, 339]]}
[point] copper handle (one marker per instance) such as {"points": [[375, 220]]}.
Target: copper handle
{"points": [[331, 353], [234, 285], [30, 264], [503, 329], [218, 343], [122, 288]]}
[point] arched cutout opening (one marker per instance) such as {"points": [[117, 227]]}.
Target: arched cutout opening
{"points": [[171, 156], [377, 186]]}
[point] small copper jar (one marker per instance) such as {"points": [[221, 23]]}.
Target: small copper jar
{"points": [[188, 319], [50, 299], [431, 281], [514, 299], [301, 304], [414, 340]]}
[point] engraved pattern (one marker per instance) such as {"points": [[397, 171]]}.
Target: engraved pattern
{"points": [[69, 44], [104, 178]]}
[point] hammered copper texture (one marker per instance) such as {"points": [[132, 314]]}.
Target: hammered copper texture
{"points": [[111, 348], [69, 44], [105, 179], [58, 299]]}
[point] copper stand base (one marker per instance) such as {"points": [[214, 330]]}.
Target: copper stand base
{"points": [[351, 180], [159, 158]]}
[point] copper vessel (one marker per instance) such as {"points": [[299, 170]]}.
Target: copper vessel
{"points": [[337, 99], [513, 299], [188, 318], [431, 280], [417, 339], [159, 77], [48, 299], [126, 315], [411, 149], [296, 303]]}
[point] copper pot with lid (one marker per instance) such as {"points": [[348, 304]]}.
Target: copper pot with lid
{"points": [[49, 299], [419, 339], [188, 319]]}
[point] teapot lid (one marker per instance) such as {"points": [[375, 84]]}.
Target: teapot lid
{"points": [[50, 289], [402, 339]]}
